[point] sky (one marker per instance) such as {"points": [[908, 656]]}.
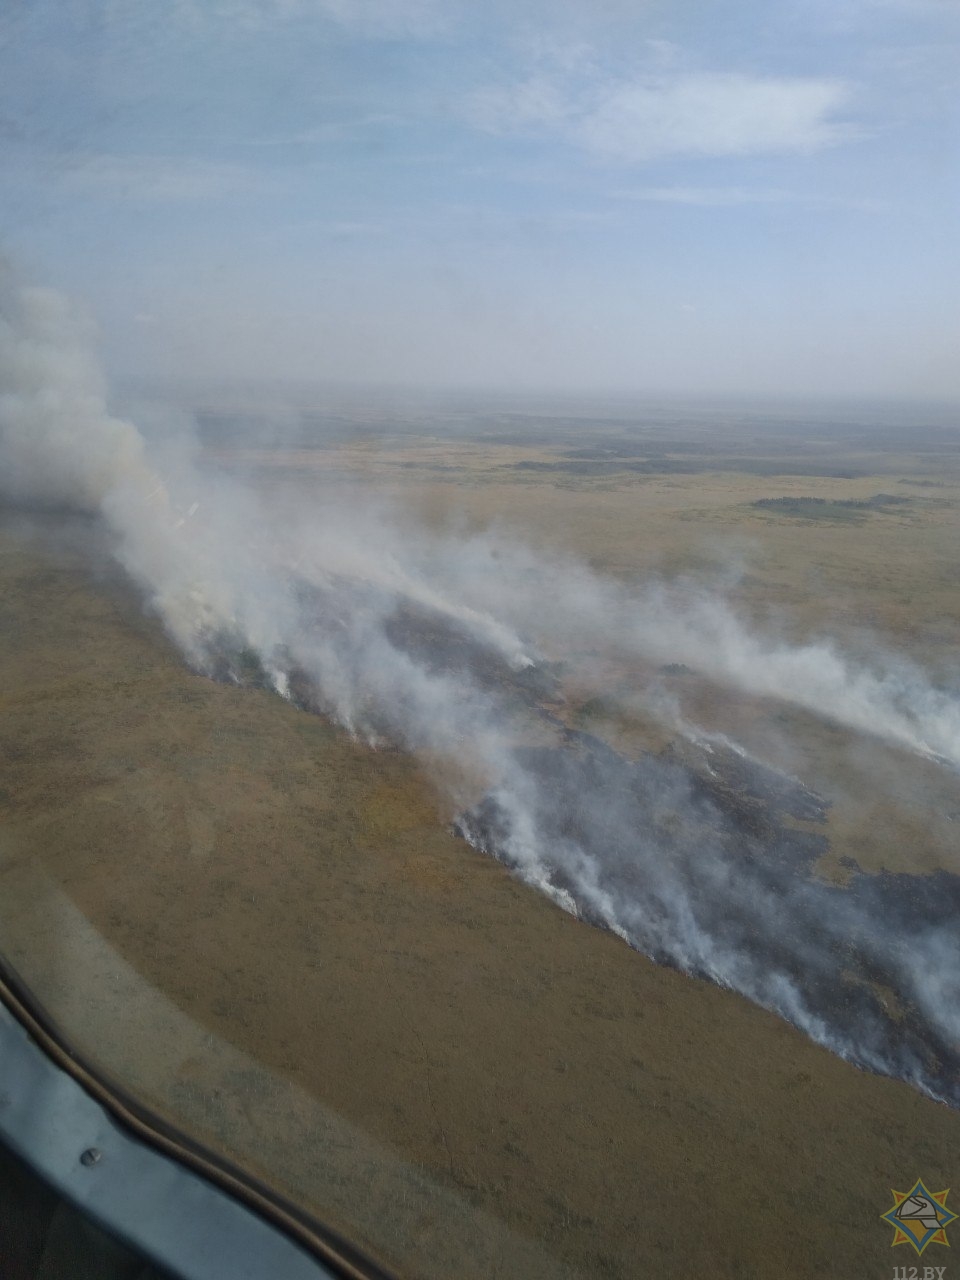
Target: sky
{"points": [[689, 196]]}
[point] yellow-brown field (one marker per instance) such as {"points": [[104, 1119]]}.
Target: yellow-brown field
{"points": [[292, 954]]}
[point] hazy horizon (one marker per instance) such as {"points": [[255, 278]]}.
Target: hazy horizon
{"points": [[592, 403]]}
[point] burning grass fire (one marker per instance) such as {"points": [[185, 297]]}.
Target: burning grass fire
{"points": [[453, 648]]}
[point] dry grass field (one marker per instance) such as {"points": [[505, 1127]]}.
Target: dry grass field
{"points": [[885, 574], [273, 932]]}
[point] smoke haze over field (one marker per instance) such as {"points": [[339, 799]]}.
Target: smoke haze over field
{"points": [[442, 645]]}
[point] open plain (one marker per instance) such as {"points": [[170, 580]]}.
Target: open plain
{"points": [[273, 932]]}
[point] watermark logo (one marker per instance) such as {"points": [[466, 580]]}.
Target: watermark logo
{"points": [[919, 1217]]}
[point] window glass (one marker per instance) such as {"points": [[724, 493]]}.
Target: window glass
{"points": [[479, 705]]}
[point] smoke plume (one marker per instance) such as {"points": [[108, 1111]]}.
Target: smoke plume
{"points": [[446, 646]]}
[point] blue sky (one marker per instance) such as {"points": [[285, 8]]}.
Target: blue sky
{"points": [[669, 195]]}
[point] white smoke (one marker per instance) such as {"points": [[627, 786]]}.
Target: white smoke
{"points": [[59, 443], [348, 606], [213, 563], [560, 600]]}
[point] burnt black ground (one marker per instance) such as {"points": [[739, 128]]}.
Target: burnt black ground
{"points": [[706, 871], [700, 856]]}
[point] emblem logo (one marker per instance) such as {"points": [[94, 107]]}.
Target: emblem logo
{"points": [[919, 1217]]}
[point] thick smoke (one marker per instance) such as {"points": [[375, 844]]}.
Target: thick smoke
{"points": [[889, 697], [444, 645]]}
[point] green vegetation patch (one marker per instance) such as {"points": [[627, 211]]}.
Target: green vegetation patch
{"points": [[850, 510], [584, 462]]}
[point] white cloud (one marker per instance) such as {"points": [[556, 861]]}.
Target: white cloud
{"points": [[326, 132], [692, 114], [153, 179], [713, 197], [707, 196], [534, 102], [715, 114], [385, 18]]}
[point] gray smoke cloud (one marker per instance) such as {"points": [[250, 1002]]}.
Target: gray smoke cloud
{"points": [[443, 644]]}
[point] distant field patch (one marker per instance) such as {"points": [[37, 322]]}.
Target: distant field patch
{"points": [[849, 510], [587, 462]]}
